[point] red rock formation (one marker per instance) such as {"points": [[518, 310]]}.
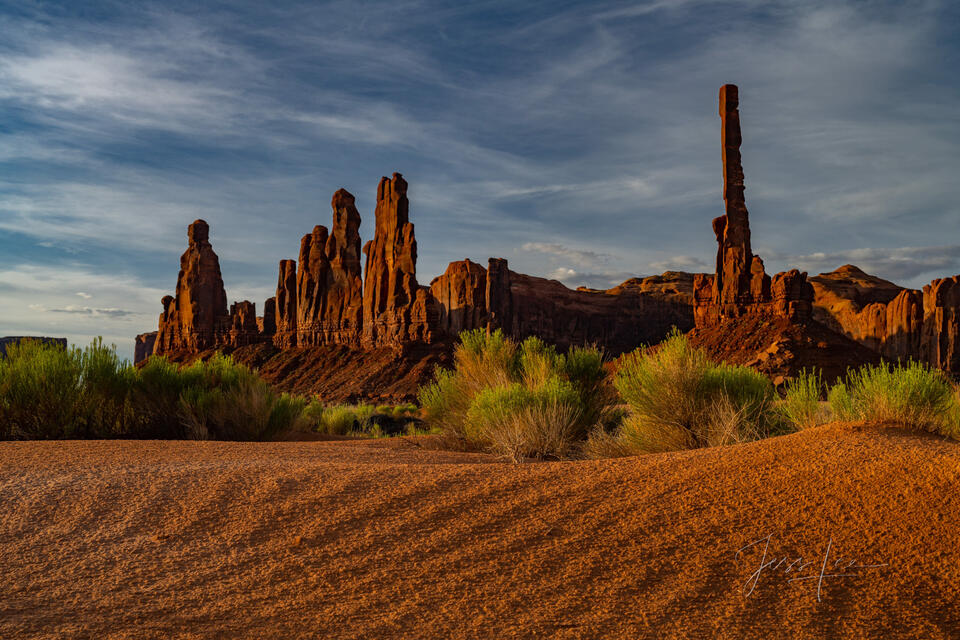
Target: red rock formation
{"points": [[329, 284], [461, 297], [876, 313], [639, 311], [498, 298], [941, 324], [143, 346], [196, 318], [900, 324], [741, 285], [735, 268], [243, 324], [312, 273], [267, 324], [395, 308], [285, 335]]}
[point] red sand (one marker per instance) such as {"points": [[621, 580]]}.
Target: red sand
{"points": [[385, 539]]}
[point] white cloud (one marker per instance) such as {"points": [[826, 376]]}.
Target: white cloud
{"points": [[681, 263], [577, 256], [908, 266]]}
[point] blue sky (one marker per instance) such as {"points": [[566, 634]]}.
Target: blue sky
{"points": [[580, 140]]}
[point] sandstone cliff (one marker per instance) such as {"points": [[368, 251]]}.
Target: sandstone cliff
{"points": [[899, 323]]}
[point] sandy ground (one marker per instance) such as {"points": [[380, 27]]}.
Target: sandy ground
{"points": [[385, 539]]}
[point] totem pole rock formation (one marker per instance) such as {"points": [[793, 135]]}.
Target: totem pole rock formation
{"points": [[740, 284], [395, 308], [196, 318]]}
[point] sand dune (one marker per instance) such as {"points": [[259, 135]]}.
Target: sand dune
{"points": [[386, 539]]}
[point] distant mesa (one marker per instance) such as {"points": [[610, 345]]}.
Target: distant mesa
{"points": [[10, 340], [739, 313]]}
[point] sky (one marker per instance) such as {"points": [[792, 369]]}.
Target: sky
{"points": [[579, 140]]}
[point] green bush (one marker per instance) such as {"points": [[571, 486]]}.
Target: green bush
{"points": [[344, 420], [519, 400], [801, 405], [910, 394], [679, 399], [49, 392]]}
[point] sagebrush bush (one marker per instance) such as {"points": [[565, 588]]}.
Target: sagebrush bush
{"points": [[910, 394], [679, 399], [358, 420], [519, 400], [49, 392], [801, 405]]}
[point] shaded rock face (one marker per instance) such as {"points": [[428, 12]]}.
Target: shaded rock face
{"points": [[461, 294], [285, 335], [268, 323], [196, 318], [740, 285], [875, 312], [329, 283], [395, 308], [941, 324], [243, 324], [143, 346]]}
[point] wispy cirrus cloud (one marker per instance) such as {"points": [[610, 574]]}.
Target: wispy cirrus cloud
{"points": [[586, 128]]}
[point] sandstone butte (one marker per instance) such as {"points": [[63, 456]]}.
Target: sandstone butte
{"points": [[739, 313]]}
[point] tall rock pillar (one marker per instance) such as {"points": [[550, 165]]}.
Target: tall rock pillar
{"points": [[395, 310]]}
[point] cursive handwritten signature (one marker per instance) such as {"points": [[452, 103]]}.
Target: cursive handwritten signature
{"points": [[790, 565]]}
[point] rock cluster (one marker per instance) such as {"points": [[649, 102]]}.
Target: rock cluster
{"points": [[322, 299], [740, 285]]}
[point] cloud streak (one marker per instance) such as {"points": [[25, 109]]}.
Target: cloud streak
{"points": [[577, 140]]}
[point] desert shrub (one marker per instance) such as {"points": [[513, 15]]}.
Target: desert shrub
{"points": [[248, 410], [801, 405], [332, 421], [679, 399], [360, 421], [519, 400], [910, 394], [48, 392], [224, 400]]}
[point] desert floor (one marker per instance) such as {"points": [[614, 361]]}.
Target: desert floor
{"points": [[391, 539]]}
